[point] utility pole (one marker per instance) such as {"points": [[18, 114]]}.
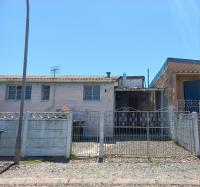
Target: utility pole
{"points": [[148, 77], [19, 133]]}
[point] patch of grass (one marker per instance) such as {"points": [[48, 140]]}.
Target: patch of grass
{"points": [[74, 157], [157, 162], [149, 159], [154, 161], [31, 161], [38, 160]]}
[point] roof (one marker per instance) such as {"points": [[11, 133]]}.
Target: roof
{"points": [[61, 79], [164, 68], [138, 89], [134, 77]]}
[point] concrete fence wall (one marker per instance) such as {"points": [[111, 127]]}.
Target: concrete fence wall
{"points": [[43, 134], [199, 127], [186, 132], [8, 138]]}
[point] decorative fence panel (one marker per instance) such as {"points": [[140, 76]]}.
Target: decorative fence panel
{"points": [[43, 134], [138, 134], [189, 105]]}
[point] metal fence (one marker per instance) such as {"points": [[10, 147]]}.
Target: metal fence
{"points": [[184, 131], [189, 105], [85, 134], [140, 134], [132, 134]]}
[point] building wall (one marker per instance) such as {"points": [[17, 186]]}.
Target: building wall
{"points": [[183, 67], [132, 83], [173, 80], [66, 94]]}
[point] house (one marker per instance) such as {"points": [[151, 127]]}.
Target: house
{"points": [[46, 93], [180, 80]]}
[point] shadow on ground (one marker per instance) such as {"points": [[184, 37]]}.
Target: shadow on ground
{"points": [[6, 163]]}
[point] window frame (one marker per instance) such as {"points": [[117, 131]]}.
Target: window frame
{"points": [[16, 92], [42, 86], [93, 96]]}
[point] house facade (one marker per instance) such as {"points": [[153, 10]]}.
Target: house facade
{"points": [[180, 80], [46, 94]]}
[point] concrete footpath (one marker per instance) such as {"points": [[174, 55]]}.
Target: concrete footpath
{"points": [[95, 182]]}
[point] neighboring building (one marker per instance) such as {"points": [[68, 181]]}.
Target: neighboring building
{"points": [[180, 78], [45, 93], [131, 94]]}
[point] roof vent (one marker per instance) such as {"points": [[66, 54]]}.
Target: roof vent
{"points": [[108, 74]]}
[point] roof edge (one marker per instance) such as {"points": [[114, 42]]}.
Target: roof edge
{"points": [[63, 78], [165, 67]]}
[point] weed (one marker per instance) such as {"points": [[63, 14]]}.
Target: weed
{"points": [[73, 157]]}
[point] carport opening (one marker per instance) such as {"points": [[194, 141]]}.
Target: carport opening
{"points": [[132, 108], [137, 100]]}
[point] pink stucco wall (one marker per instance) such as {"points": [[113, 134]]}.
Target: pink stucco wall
{"points": [[66, 94]]}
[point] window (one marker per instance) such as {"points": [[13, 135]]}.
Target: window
{"points": [[14, 92], [28, 92], [11, 92], [91, 92], [45, 92]]}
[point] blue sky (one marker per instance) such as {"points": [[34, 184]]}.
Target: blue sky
{"points": [[90, 37]]}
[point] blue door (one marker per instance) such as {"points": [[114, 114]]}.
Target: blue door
{"points": [[192, 95]]}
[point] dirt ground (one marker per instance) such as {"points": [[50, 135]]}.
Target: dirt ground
{"points": [[131, 148], [86, 172]]}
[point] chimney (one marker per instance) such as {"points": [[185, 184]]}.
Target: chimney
{"points": [[108, 74], [124, 79]]}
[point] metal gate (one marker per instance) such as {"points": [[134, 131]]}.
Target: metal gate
{"points": [[85, 134], [141, 134]]}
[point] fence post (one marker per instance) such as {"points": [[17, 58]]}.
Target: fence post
{"points": [[69, 136], [176, 119], [180, 130], [25, 132], [199, 106], [101, 138], [196, 133], [171, 122], [148, 121]]}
